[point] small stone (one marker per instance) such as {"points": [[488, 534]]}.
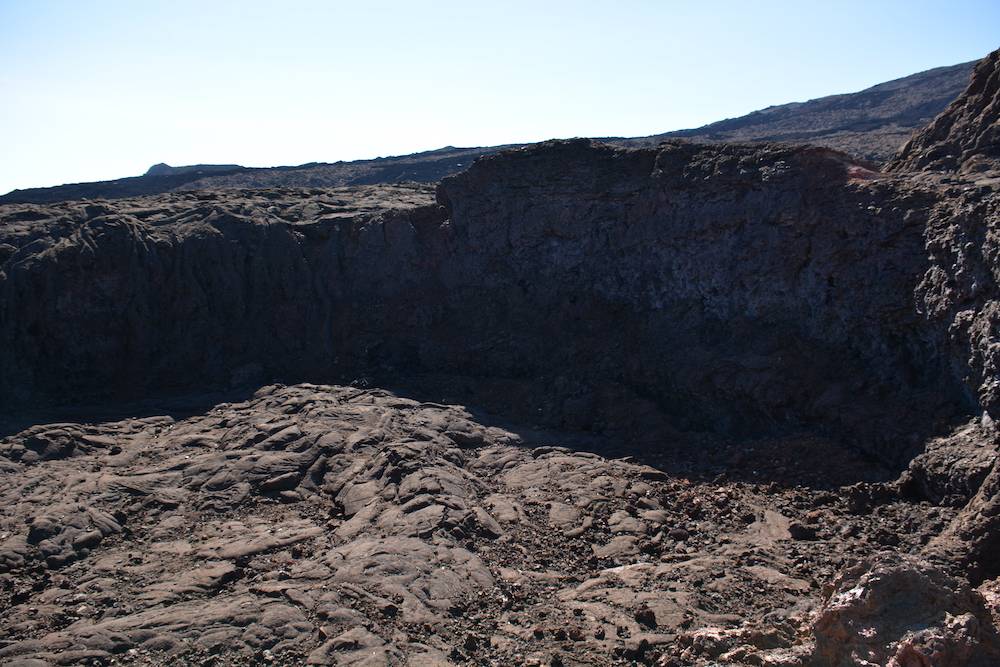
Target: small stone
{"points": [[290, 496], [87, 540], [800, 531], [678, 534], [636, 648], [284, 482], [645, 616]]}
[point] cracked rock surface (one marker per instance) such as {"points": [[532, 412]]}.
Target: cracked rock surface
{"points": [[342, 525]]}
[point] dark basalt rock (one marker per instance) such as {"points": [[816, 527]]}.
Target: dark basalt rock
{"points": [[721, 282]]}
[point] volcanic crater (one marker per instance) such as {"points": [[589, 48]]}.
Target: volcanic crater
{"points": [[578, 404]]}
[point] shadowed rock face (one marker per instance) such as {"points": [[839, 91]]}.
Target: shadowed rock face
{"points": [[713, 276], [722, 282], [183, 290]]}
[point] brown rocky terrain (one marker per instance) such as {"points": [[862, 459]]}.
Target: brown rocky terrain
{"points": [[578, 404]]}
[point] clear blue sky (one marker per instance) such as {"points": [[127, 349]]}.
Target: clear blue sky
{"points": [[91, 90]]}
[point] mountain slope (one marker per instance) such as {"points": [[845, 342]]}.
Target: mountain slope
{"points": [[966, 137], [871, 124], [425, 167]]}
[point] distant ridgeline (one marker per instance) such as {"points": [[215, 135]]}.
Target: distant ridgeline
{"points": [[426, 167], [164, 169], [160, 178], [871, 124]]}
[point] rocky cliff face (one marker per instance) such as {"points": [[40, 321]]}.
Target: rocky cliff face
{"points": [[717, 277], [698, 276], [184, 290]]}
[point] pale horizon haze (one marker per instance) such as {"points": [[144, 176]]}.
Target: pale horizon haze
{"points": [[104, 89]]}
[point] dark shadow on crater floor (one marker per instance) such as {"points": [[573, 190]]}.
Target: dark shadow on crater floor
{"points": [[176, 405], [787, 457], [630, 427]]}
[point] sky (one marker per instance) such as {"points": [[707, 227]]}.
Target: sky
{"points": [[100, 89]]}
